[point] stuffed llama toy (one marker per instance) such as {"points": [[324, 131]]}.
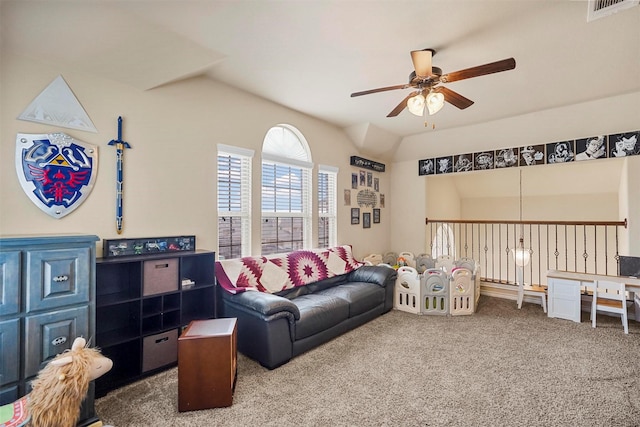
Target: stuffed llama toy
{"points": [[58, 390]]}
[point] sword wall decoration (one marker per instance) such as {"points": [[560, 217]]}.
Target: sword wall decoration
{"points": [[120, 146]]}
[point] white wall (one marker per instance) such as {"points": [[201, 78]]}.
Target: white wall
{"points": [[610, 115], [170, 171]]}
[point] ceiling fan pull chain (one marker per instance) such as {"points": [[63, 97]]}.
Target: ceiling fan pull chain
{"points": [[424, 114]]}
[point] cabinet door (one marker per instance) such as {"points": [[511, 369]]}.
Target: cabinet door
{"points": [[57, 277], [49, 334], [9, 395], [9, 283], [9, 351]]}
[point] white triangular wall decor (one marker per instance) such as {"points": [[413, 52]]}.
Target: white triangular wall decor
{"points": [[57, 105]]}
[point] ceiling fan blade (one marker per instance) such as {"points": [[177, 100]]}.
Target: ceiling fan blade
{"points": [[422, 61], [380, 89], [480, 70], [401, 106], [454, 98]]}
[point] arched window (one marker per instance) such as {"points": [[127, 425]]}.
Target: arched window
{"points": [[286, 191], [443, 242]]}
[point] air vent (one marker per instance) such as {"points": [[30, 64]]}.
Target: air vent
{"points": [[601, 8]]}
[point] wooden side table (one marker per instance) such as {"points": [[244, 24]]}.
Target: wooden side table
{"points": [[207, 364]]}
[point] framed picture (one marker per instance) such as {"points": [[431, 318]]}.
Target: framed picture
{"points": [[347, 197], [376, 184], [376, 216], [363, 178], [355, 215], [381, 200], [426, 167], [369, 179], [366, 220], [354, 181]]}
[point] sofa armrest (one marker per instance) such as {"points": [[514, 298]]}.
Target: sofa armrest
{"points": [[263, 303], [379, 275]]}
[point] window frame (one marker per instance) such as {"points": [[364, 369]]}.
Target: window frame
{"points": [[331, 214], [245, 156], [273, 157]]}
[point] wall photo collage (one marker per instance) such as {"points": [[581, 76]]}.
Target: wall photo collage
{"points": [[592, 148], [367, 193]]}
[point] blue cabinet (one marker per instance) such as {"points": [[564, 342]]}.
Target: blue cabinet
{"points": [[47, 299]]}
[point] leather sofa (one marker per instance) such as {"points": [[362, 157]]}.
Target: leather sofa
{"points": [[274, 327]]}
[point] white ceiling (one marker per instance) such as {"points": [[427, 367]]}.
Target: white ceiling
{"points": [[310, 55]]}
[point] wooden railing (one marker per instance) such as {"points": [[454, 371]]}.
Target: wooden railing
{"points": [[578, 246]]}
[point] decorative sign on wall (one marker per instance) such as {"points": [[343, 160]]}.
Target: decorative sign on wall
{"points": [[58, 106], [56, 171], [367, 164], [595, 147], [367, 198]]}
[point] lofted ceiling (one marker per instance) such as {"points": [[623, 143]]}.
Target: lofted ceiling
{"points": [[311, 55]]}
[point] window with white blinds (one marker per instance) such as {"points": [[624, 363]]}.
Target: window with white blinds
{"points": [[327, 206], [234, 202], [286, 191]]}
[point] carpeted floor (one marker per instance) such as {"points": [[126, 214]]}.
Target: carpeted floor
{"points": [[499, 367]]}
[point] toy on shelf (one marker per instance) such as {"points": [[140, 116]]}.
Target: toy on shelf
{"points": [[58, 390]]}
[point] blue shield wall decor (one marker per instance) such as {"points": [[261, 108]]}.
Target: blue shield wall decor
{"points": [[56, 171]]}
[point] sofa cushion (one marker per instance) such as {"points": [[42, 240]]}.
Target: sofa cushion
{"points": [[361, 297], [327, 283], [319, 312]]}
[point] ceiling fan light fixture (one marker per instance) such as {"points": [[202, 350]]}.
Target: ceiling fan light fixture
{"points": [[435, 102], [415, 104]]}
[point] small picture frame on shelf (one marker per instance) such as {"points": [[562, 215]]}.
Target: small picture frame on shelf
{"points": [[366, 220], [376, 216], [355, 215]]}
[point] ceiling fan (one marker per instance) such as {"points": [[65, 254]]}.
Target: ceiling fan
{"points": [[426, 79]]}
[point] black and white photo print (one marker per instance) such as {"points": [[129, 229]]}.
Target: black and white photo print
{"points": [[624, 144], [463, 163], [591, 148], [531, 155], [426, 167], [444, 165], [560, 152], [483, 161], [506, 158]]}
